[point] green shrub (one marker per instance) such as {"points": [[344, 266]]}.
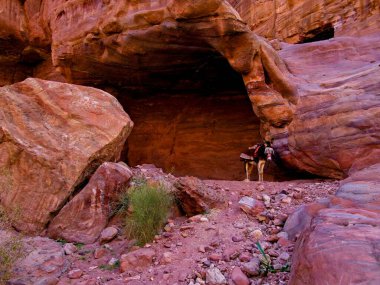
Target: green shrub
{"points": [[150, 206]]}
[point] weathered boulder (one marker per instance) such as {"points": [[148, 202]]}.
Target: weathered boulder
{"points": [[301, 218], [343, 240], [52, 137], [86, 215], [300, 20], [335, 128], [195, 197], [44, 259]]}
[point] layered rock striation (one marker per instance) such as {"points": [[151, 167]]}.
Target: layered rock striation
{"points": [[297, 21], [335, 128]]}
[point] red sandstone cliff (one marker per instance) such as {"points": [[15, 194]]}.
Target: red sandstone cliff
{"points": [[298, 20]]}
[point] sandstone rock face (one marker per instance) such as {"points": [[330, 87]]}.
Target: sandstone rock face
{"points": [[86, 215], [137, 47], [182, 35], [102, 42], [343, 236], [336, 125], [299, 20], [52, 136]]}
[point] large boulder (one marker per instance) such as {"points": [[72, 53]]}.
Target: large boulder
{"points": [[342, 241], [43, 261], [86, 215], [52, 137]]}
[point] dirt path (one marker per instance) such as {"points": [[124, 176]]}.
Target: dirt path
{"points": [[223, 239]]}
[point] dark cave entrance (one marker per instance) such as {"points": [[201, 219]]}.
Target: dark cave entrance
{"points": [[195, 122], [320, 34]]}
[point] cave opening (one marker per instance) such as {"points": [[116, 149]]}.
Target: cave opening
{"points": [[194, 121], [320, 34]]}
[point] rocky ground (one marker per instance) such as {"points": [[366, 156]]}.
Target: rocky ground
{"points": [[218, 247]]}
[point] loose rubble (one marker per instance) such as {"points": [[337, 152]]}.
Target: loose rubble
{"points": [[216, 247]]}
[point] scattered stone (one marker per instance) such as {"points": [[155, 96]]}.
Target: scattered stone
{"points": [[282, 235], [239, 225], [266, 200], [245, 256], [284, 256], [283, 242], [70, 248], [195, 219], [204, 219], [231, 253], [185, 228], [201, 248], [132, 278], [137, 259], [206, 262], [108, 234], [167, 257], [100, 252], [215, 277], [251, 206], [272, 238], [273, 253], [278, 222], [113, 261], [286, 200], [277, 266], [47, 281], [215, 257], [168, 228], [75, 274], [252, 268], [238, 277], [237, 238], [260, 188]]}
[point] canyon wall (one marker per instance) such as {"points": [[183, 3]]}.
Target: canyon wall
{"points": [[297, 21], [156, 46]]}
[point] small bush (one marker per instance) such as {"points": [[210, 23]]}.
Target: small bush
{"points": [[150, 207]]}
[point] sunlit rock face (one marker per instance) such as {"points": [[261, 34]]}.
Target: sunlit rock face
{"points": [[52, 137], [296, 21]]}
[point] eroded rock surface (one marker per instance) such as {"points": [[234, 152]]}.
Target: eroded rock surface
{"points": [[86, 215], [336, 125], [52, 137], [343, 237], [299, 20]]}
